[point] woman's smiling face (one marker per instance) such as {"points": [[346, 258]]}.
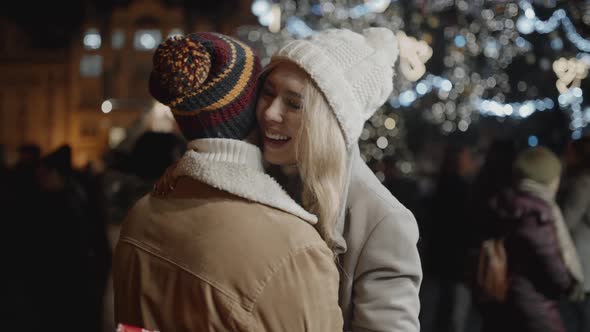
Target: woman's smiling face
{"points": [[279, 112]]}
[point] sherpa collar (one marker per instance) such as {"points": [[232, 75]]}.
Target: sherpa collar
{"points": [[236, 167]]}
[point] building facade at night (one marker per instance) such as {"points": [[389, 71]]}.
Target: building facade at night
{"points": [[93, 94]]}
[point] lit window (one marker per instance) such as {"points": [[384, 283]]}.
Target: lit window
{"points": [[91, 65], [147, 39], [175, 32], [118, 39], [92, 39]]}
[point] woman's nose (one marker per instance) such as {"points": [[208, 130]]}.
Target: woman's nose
{"points": [[274, 112]]}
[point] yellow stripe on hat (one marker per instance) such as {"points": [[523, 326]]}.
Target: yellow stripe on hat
{"points": [[240, 85], [231, 95]]}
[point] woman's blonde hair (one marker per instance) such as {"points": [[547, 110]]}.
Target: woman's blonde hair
{"points": [[321, 161], [321, 158]]}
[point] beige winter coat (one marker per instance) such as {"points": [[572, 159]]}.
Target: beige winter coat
{"points": [[381, 270], [227, 250]]}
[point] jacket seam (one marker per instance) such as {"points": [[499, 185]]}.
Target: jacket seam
{"points": [[362, 251], [231, 316], [275, 268], [147, 248], [385, 200]]}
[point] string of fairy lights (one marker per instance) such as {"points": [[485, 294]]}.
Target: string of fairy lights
{"points": [[460, 94]]}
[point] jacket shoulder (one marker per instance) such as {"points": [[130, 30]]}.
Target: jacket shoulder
{"points": [[199, 206], [135, 214], [374, 215], [368, 192]]}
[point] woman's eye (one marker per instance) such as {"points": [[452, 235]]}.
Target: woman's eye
{"points": [[293, 104]]}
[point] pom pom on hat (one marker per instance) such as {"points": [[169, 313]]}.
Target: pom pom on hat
{"points": [[181, 65], [209, 81], [385, 44]]}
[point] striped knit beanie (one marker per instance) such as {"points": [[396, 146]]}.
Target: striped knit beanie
{"points": [[209, 81]]}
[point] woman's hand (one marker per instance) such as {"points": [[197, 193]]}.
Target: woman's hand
{"points": [[166, 182]]}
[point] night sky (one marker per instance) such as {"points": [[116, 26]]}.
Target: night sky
{"points": [[50, 24]]}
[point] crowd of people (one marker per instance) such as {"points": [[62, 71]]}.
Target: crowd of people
{"points": [[537, 203]]}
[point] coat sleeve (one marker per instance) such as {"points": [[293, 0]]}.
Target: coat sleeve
{"points": [[388, 277], [301, 294], [126, 286], [575, 203]]}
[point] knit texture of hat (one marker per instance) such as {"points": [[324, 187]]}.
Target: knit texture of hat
{"points": [[209, 81], [538, 164], [353, 70]]}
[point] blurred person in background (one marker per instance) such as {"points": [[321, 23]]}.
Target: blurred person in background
{"points": [[128, 177], [132, 175], [4, 172], [23, 173], [574, 199], [447, 239], [541, 260], [401, 186], [59, 272], [21, 192], [61, 243], [496, 173], [3, 157], [28, 155], [494, 177]]}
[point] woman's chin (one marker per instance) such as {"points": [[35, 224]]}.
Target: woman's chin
{"points": [[277, 157]]}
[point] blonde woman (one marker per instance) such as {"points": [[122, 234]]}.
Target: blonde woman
{"points": [[316, 95], [301, 135]]}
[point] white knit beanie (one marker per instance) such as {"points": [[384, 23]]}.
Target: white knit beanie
{"points": [[354, 71]]}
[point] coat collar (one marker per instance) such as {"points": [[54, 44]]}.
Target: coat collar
{"points": [[236, 167]]}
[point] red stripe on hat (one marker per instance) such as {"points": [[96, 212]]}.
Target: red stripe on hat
{"points": [[222, 54]]}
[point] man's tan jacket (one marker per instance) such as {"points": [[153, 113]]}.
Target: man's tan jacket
{"points": [[227, 250]]}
